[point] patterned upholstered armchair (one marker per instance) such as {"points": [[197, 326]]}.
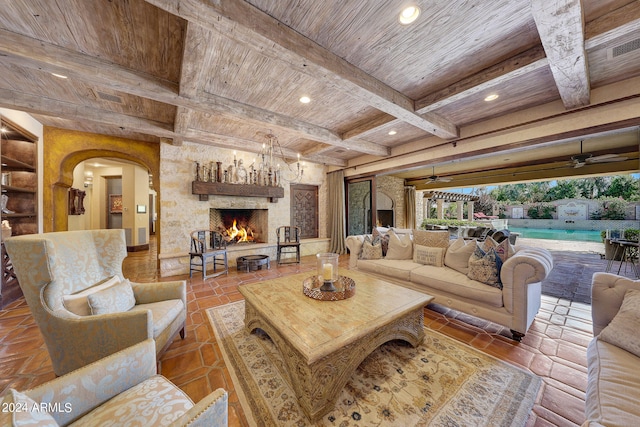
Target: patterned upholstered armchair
{"points": [[121, 389], [67, 279]]}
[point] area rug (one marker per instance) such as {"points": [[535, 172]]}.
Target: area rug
{"points": [[442, 382]]}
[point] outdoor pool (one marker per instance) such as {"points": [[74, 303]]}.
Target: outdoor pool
{"points": [[556, 234]]}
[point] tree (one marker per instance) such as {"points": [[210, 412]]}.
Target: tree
{"points": [[592, 188], [566, 189], [625, 187], [485, 201]]}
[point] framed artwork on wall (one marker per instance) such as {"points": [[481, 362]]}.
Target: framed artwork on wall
{"points": [[115, 203]]}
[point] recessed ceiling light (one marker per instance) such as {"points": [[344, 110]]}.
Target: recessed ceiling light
{"points": [[60, 76], [392, 132], [492, 97], [409, 14], [305, 99]]}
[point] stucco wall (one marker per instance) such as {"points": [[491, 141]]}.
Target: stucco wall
{"points": [[183, 212]]}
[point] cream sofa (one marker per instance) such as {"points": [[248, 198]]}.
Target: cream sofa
{"points": [[613, 385], [514, 306], [119, 390]]}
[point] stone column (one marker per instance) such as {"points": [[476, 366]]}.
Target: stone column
{"points": [[460, 210], [440, 208], [470, 210]]}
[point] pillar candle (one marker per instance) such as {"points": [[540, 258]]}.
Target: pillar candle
{"points": [[327, 272]]}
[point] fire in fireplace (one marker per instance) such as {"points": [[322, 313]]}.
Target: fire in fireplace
{"points": [[240, 225], [237, 235]]}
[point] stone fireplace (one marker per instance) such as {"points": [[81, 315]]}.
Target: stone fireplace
{"points": [[242, 226]]}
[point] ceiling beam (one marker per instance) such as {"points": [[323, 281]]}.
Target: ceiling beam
{"points": [[35, 54], [535, 173], [194, 57], [248, 25], [41, 105], [560, 25]]}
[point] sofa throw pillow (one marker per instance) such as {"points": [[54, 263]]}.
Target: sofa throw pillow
{"points": [[458, 254], [431, 238], [371, 250], [368, 239], [428, 256], [485, 267], [623, 329], [24, 415], [116, 299], [504, 249], [77, 303], [400, 246], [384, 240]]}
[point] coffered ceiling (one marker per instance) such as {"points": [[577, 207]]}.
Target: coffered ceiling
{"points": [[226, 73]]}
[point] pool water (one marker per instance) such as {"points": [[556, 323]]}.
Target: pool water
{"points": [[556, 234]]}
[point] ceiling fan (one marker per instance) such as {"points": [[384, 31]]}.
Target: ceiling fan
{"points": [[435, 178], [579, 160]]}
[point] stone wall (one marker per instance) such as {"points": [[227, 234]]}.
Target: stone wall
{"points": [[183, 212], [393, 188]]}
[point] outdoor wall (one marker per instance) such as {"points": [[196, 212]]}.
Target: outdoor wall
{"points": [[571, 209], [183, 212]]}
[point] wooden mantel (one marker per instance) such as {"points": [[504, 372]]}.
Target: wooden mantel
{"points": [[205, 189]]}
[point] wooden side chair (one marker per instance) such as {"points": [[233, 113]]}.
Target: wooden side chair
{"points": [[208, 245], [288, 239]]}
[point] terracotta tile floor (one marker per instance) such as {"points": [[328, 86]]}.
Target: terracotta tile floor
{"points": [[554, 348]]}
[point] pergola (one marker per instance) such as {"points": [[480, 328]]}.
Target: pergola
{"points": [[442, 196]]}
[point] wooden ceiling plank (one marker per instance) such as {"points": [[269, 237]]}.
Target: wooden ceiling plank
{"points": [[31, 53], [560, 25], [517, 66], [617, 23], [247, 24]]}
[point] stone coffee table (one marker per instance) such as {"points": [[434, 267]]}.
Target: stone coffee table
{"points": [[323, 342]]}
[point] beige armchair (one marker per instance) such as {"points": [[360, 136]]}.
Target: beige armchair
{"points": [[121, 389], [54, 269]]}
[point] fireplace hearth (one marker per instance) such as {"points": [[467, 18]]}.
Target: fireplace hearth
{"points": [[240, 226]]}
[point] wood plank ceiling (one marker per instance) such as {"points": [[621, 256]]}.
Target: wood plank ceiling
{"points": [[226, 73]]}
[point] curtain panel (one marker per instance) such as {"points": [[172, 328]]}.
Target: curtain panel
{"points": [[336, 212]]}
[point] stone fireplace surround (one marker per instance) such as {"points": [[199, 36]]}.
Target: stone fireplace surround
{"points": [[265, 216], [182, 212]]}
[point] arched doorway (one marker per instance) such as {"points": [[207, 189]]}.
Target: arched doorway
{"points": [[113, 193], [67, 148]]}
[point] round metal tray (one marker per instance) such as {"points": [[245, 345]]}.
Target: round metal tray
{"points": [[345, 288]]}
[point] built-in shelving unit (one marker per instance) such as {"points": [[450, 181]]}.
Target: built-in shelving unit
{"points": [[18, 158]]}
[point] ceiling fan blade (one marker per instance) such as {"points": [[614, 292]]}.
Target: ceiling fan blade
{"points": [[444, 179], [578, 164], [605, 158]]}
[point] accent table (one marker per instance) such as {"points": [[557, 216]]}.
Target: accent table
{"points": [[323, 342]]}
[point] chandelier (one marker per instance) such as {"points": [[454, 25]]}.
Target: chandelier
{"points": [[269, 168]]}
